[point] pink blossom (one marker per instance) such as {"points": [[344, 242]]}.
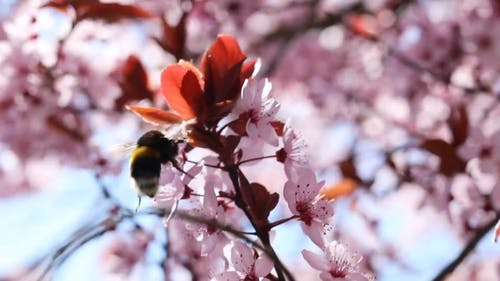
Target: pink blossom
{"points": [[483, 156], [80, 79], [169, 193], [247, 263], [480, 38], [172, 185], [125, 252], [302, 196], [210, 237], [429, 44], [261, 109], [293, 152], [495, 196], [188, 251], [482, 146], [336, 263]]}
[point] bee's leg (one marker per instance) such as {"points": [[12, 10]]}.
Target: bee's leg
{"points": [[139, 203], [184, 156], [176, 166]]}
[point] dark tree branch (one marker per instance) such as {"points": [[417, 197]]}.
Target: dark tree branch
{"points": [[79, 239], [414, 65], [236, 176], [313, 23], [469, 247], [90, 232], [287, 34]]}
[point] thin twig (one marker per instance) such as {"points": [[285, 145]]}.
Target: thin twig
{"points": [[281, 221], [78, 240], [256, 159], [469, 247], [286, 36]]}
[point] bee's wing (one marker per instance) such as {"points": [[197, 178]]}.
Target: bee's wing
{"points": [[121, 151]]}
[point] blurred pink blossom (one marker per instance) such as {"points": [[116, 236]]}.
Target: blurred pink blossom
{"points": [[336, 263]]}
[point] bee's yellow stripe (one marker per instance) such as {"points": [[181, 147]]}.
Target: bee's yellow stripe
{"points": [[144, 151]]}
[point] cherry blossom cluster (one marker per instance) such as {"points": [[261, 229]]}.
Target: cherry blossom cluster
{"points": [[230, 120], [415, 83]]}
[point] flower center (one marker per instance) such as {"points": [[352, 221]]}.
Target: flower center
{"points": [[304, 210]]}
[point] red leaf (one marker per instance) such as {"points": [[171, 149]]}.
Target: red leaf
{"points": [[450, 162], [230, 142], [364, 25], [261, 202], [348, 169], [497, 232], [182, 85], [110, 12], [199, 137], [247, 70], [59, 5], [343, 187], [221, 65], [173, 38], [155, 116], [279, 127], [133, 81], [459, 125], [230, 85], [221, 109], [239, 125]]}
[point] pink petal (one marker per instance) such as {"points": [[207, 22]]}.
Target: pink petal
{"points": [[263, 265], [325, 276], [227, 276], [208, 244], [314, 232], [289, 194], [495, 196], [242, 257], [356, 276], [315, 261]]}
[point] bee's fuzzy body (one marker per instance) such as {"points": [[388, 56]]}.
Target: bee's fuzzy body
{"points": [[153, 150]]}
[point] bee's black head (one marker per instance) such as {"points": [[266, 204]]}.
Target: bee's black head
{"points": [[157, 140], [150, 138]]}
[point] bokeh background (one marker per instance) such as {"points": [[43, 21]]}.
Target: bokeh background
{"points": [[398, 101]]}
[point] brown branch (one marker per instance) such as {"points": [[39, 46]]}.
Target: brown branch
{"points": [[469, 247], [79, 239], [408, 62], [90, 232], [286, 35], [236, 177], [331, 19]]}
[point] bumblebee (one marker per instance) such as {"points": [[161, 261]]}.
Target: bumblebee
{"points": [[153, 149]]}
